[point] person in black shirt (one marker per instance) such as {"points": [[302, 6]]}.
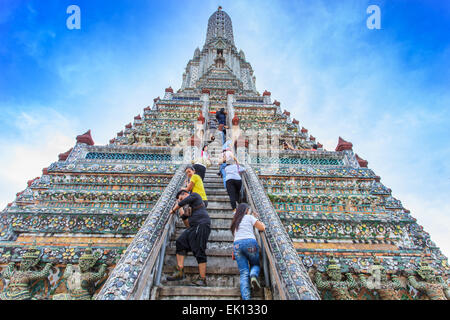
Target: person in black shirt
{"points": [[195, 238]]}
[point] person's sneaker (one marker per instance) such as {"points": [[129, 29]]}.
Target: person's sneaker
{"points": [[177, 275], [199, 282], [255, 283]]}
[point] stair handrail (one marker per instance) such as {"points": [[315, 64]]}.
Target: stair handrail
{"points": [[268, 260], [134, 273], [290, 275]]}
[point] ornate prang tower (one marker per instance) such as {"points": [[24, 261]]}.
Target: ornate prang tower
{"points": [[326, 207]]}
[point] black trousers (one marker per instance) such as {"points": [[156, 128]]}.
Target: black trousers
{"points": [[234, 189], [200, 170], [194, 239]]}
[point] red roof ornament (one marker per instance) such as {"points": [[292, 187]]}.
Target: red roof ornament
{"points": [[147, 109], [377, 178], [45, 171], [128, 126], [120, 134], [207, 91], [86, 138], [295, 121], [112, 141], [10, 204], [344, 145], [65, 155], [362, 163], [287, 113], [266, 93], [235, 120], [304, 130], [138, 117], [231, 92], [277, 103], [156, 99], [169, 89], [312, 138], [319, 145], [29, 183]]}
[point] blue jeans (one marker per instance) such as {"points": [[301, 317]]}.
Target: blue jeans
{"points": [[224, 175], [246, 252]]}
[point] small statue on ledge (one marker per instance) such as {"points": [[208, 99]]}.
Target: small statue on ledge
{"points": [[433, 286], [338, 287], [81, 280], [21, 280]]}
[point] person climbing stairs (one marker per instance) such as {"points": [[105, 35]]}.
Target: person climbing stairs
{"points": [[222, 273]]}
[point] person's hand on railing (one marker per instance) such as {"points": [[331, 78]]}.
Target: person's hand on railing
{"points": [[175, 208]]}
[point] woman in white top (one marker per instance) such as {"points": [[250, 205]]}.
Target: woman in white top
{"points": [[246, 249]]}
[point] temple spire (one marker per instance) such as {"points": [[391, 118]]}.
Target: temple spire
{"points": [[220, 26]]}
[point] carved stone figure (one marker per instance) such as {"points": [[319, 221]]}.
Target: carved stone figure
{"points": [[379, 282], [433, 286], [338, 287], [20, 280], [81, 280]]}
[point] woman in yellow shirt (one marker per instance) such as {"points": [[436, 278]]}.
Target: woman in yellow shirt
{"points": [[196, 184]]}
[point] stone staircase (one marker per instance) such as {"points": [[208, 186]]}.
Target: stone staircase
{"points": [[222, 272]]}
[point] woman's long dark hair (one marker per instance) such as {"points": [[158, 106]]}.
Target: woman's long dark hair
{"points": [[241, 211]]}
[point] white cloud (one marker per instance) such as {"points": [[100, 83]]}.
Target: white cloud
{"points": [[39, 136]]}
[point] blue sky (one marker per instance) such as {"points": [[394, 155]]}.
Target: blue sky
{"points": [[387, 90]]}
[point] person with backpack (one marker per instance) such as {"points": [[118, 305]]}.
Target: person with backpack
{"points": [[221, 116], [246, 249]]}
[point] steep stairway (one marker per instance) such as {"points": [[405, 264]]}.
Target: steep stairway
{"points": [[222, 272]]}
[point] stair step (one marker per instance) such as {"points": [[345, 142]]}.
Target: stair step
{"points": [[209, 271], [224, 245], [216, 192], [213, 280], [219, 206], [220, 214], [215, 186], [209, 252], [213, 261], [204, 292], [215, 224], [215, 235], [217, 198]]}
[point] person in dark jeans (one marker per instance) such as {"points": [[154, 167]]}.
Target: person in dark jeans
{"points": [[245, 248], [221, 117], [194, 238], [233, 181], [200, 169]]}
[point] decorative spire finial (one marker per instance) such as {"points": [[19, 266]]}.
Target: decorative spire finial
{"points": [[220, 8]]}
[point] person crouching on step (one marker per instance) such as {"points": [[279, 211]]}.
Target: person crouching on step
{"points": [[245, 248], [194, 238]]}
